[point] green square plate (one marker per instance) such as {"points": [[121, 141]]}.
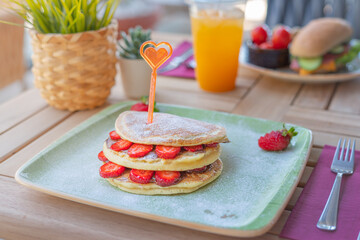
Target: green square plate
{"points": [[246, 200]]}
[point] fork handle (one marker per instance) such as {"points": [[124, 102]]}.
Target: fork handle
{"points": [[328, 218]]}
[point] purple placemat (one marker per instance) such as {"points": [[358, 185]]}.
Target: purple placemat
{"points": [[182, 71], [301, 223]]}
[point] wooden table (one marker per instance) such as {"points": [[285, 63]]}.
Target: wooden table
{"points": [[28, 124], [12, 64]]}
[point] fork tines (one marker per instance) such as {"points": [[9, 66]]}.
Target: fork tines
{"points": [[341, 156]]}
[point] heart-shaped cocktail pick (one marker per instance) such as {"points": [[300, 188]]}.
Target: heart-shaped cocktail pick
{"points": [[155, 56]]}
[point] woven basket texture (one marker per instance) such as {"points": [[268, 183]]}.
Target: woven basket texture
{"points": [[75, 71]]}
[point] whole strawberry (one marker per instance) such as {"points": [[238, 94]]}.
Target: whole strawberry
{"points": [[277, 140], [143, 106]]}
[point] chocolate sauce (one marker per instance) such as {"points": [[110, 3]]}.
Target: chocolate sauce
{"points": [[189, 175], [150, 155]]}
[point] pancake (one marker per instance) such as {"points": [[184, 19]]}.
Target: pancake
{"points": [[189, 183], [185, 160], [167, 129]]}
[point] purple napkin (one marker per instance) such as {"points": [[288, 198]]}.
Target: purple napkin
{"points": [[181, 71], [301, 223]]}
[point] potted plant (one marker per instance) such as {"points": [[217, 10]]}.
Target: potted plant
{"points": [[135, 72], [74, 47]]}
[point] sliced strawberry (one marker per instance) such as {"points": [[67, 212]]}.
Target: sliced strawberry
{"points": [[122, 144], [198, 170], [102, 157], [141, 176], [194, 148], [114, 135], [111, 170], [167, 152], [211, 145], [139, 150], [167, 178]]}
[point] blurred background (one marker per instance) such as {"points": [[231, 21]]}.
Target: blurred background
{"points": [[159, 15], [164, 16]]}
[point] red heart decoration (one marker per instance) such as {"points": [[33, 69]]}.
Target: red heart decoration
{"points": [[155, 57]]}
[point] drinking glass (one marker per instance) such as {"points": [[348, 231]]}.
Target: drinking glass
{"points": [[217, 29]]}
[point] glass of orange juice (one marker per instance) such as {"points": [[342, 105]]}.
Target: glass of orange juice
{"points": [[217, 29]]}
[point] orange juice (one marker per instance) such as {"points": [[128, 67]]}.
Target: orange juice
{"points": [[217, 40]]}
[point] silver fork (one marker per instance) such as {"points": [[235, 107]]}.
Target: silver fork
{"points": [[340, 165]]}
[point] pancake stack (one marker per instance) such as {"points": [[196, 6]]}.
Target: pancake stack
{"points": [[169, 156]]}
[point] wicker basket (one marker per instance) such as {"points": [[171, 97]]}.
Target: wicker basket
{"points": [[75, 71]]}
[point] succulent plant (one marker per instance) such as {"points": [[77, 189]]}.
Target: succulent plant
{"points": [[132, 41]]}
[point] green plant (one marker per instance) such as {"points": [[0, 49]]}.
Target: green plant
{"points": [[132, 42], [65, 16]]}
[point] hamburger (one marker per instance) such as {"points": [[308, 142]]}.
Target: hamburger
{"points": [[169, 156], [323, 46]]}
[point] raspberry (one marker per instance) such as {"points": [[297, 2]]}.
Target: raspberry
{"points": [[167, 178], [139, 150], [194, 148], [167, 152], [141, 176], [276, 140], [111, 170]]}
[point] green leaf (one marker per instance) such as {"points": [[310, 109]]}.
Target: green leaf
{"points": [[81, 23], [78, 24], [145, 99], [63, 28], [351, 55], [126, 50], [126, 41], [39, 20], [113, 9], [137, 43], [134, 39], [106, 13], [92, 13], [71, 21], [11, 23], [65, 16]]}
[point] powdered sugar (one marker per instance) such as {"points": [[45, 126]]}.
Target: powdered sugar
{"points": [[166, 129]]}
